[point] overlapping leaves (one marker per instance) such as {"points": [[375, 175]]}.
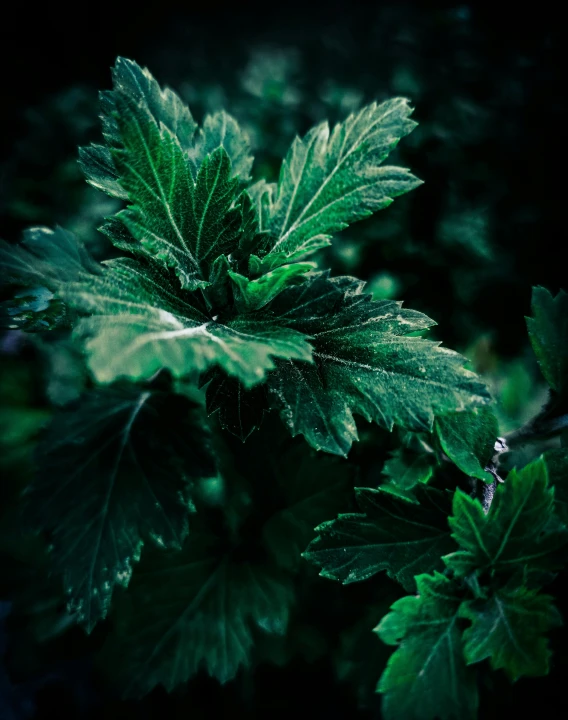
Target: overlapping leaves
{"points": [[40, 266], [192, 609], [140, 323], [519, 528], [112, 475], [197, 297], [365, 362], [391, 533], [427, 676], [498, 614]]}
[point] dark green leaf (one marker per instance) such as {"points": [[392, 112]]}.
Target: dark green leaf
{"points": [[548, 332], [43, 263], [46, 258], [426, 677], [405, 470], [114, 471], [392, 533], [509, 629], [516, 530], [328, 181], [184, 224], [239, 410], [366, 363], [163, 106], [314, 487], [189, 610], [468, 438], [557, 466]]}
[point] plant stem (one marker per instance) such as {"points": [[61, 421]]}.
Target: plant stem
{"points": [[535, 428]]}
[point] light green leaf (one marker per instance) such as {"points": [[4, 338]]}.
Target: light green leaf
{"points": [[114, 472], [252, 295], [509, 629], [403, 538], [426, 677], [328, 180], [142, 323], [516, 531], [189, 610], [548, 332], [468, 438], [366, 362]]}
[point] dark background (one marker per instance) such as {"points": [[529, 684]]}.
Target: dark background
{"points": [[501, 149]]}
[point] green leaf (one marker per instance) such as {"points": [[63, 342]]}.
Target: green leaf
{"points": [[314, 487], [142, 323], [516, 530], [46, 258], [66, 372], [165, 107], [222, 130], [114, 471], [405, 470], [252, 295], [426, 677], [468, 439], [189, 610], [361, 656], [33, 310], [184, 225], [548, 332], [557, 465], [328, 181], [392, 533], [43, 263], [183, 207], [239, 410], [366, 362], [509, 629]]}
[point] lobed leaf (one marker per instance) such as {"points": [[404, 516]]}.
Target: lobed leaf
{"points": [[405, 470], [548, 332], [508, 628], [192, 609], [516, 531], [394, 534], [427, 677], [42, 263], [365, 362], [329, 181], [116, 470], [140, 323]]}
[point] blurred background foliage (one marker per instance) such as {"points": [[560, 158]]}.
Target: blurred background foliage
{"points": [[465, 248]]}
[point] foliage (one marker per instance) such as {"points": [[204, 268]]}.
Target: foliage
{"points": [[205, 317]]}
